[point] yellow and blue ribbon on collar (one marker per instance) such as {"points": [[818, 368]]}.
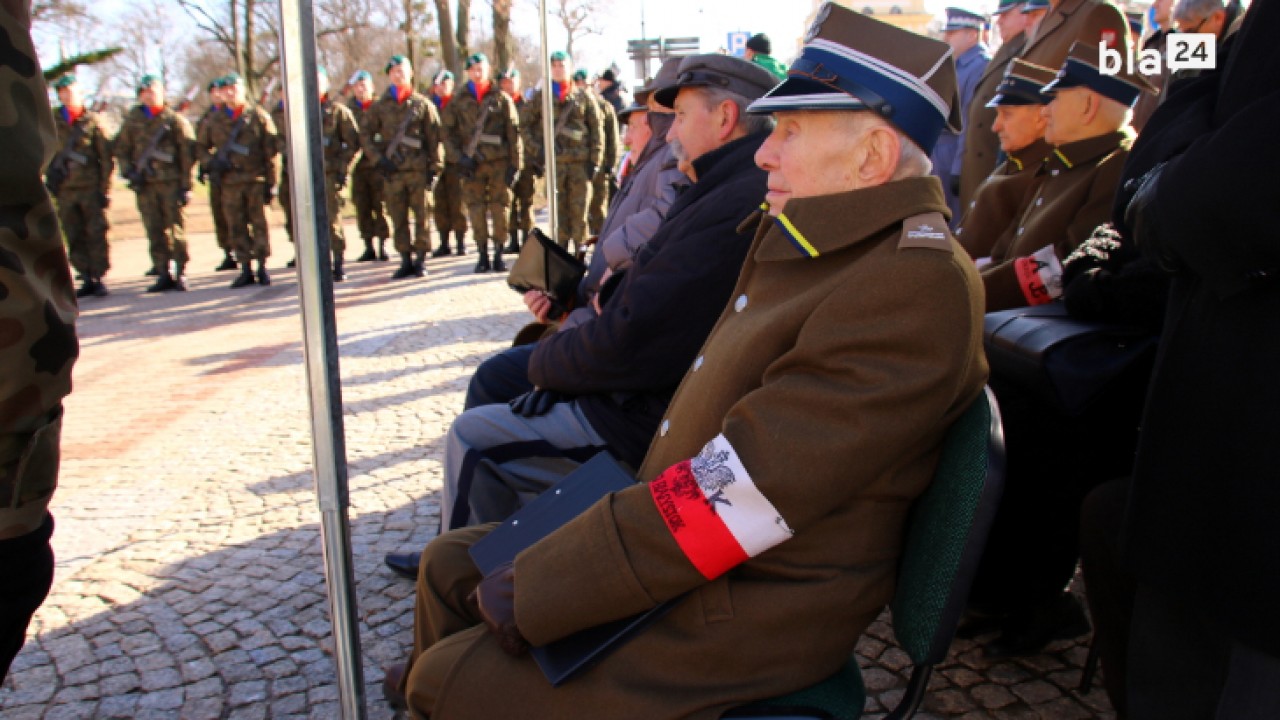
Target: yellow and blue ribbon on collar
{"points": [[796, 237]]}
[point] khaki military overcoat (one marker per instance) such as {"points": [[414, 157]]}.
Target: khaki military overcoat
{"points": [[1089, 21], [981, 145], [1000, 200], [828, 382]]}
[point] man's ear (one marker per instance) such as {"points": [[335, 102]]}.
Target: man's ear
{"points": [[880, 150], [728, 118]]}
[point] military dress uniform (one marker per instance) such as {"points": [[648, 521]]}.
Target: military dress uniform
{"points": [[520, 220], [157, 150], [248, 177], [84, 163], [39, 347], [204, 131], [366, 195], [1069, 21], [824, 357], [948, 154], [482, 138], [981, 146], [602, 183], [450, 210], [409, 170], [579, 147]]}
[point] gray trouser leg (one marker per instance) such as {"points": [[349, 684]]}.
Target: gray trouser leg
{"points": [[495, 461]]}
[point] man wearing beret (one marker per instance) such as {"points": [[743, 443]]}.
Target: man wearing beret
{"points": [[520, 219], [154, 149], [579, 146], [981, 146], [1019, 125], [366, 181], [401, 135], [450, 210], [482, 139], [340, 138], [215, 114], [80, 178], [801, 434]]}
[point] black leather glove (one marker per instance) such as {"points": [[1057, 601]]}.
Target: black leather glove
{"points": [[495, 598], [268, 194], [1140, 216], [201, 177], [537, 402], [386, 167], [511, 177], [183, 196], [591, 171], [104, 200]]}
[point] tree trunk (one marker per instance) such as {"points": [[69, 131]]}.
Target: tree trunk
{"points": [[448, 49], [235, 38], [410, 33], [250, 75], [464, 28], [502, 34]]}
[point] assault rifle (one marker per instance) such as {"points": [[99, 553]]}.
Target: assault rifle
{"points": [[141, 171], [60, 168], [221, 162], [392, 152]]}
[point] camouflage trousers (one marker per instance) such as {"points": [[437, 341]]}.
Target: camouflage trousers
{"points": [[487, 195], [406, 192], [165, 221], [366, 193], [450, 213], [573, 197], [219, 220], [246, 220], [84, 223], [334, 203], [521, 216], [28, 476], [599, 201]]}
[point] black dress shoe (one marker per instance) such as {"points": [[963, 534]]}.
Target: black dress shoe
{"points": [[292, 263], [1027, 632], [391, 686], [499, 265], [404, 564], [244, 278], [228, 263], [483, 265]]}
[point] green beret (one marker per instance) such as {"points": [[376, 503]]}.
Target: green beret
{"points": [[394, 61], [560, 56], [580, 74], [147, 81], [64, 81], [477, 59], [232, 79], [508, 74]]}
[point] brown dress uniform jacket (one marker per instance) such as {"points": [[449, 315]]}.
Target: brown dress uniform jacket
{"points": [[175, 146], [1071, 20], [825, 388], [1001, 199], [581, 135], [500, 136], [419, 152], [93, 144], [1077, 187], [258, 135], [981, 146]]}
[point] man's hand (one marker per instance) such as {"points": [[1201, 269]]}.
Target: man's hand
{"points": [[537, 402], [495, 598], [539, 303]]}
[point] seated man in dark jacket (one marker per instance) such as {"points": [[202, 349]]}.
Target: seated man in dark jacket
{"points": [[605, 384]]}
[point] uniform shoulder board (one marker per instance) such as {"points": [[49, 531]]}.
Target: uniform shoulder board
{"points": [[928, 230]]}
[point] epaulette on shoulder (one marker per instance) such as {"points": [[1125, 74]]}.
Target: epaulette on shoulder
{"points": [[927, 230]]}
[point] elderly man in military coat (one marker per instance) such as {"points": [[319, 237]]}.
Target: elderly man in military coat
{"points": [[820, 399]]}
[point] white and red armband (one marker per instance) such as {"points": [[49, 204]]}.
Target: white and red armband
{"points": [[1040, 276], [715, 512]]}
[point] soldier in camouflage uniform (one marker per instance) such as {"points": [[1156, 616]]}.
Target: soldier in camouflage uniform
{"points": [[340, 138], [482, 138], [244, 161], [366, 181], [80, 178], [39, 348], [602, 183], [401, 134], [155, 152], [283, 194], [579, 145], [520, 219], [450, 213], [214, 114]]}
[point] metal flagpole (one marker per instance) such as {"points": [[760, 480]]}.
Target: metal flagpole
{"points": [[548, 127], [320, 339]]}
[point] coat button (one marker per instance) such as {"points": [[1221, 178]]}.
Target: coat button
{"points": [[1054, 172], [1020, 230], [741, 303], [1039, 202], [697, 364], [666, 425]]}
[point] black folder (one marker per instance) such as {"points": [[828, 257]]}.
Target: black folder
{"points": [[599, 476]]}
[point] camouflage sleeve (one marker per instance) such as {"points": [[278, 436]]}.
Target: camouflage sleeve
{"points": [[368, 131], [122, 146], [37, 308], [271, 142], [204, 142], [533, 129], [186, 142], [348, 136], [433, 134], [595, 132], [449, 134], [102, 148], [513, 135]]}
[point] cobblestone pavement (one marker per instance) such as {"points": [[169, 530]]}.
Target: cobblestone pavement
{"points": [[190, 582]]}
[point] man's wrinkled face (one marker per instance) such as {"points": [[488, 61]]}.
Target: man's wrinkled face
{"points": [[1065, 115], [478, 73], [696, 126], [1018, 126], [401, 75], [809, 154]]}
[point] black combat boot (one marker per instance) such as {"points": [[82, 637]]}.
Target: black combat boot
{"points": [[292, 263], [163, 282], [368, 253], [179, 282], [443, 250], [100, 290], [514, 245], [263, 277], [462, 250], [406, 267], [86, 287], [26, 564], [228, 263], [153, 272], [338, 273], [498, 265], [483, 265], [419, 260], [245, 277], [382, 248]]}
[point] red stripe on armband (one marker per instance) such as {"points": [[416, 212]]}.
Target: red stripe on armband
{"points": [[701, 534], [1039, 276]]}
